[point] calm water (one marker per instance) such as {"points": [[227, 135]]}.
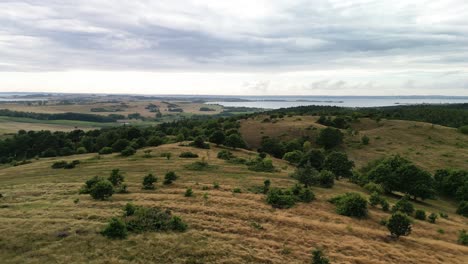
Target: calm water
{"points": [[275, 102]]}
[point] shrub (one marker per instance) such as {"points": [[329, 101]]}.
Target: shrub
{"points": [[128, 151], [217, 137], [293, 157], [105, 150], [216, 185], [188, 154], [266, 186], [399, 225], [199, 166], [237, 190], [81, 150], [330, 138], [116, 178], [59, 164], [280, 199], [318, 257], [375, 199], [89, 184], [326, 179], [463, 237], [443, 215], [463, 129], [153, 219], [350, 204], [129, 209], [261, 165], [102, 190], [188, 192], [463, 209], [365, 140], [432, 218], [420, 215], [403, 205], [169, 178], [115, 229], [225, 155], [306, 195], [234, 141], [306, 175], [199, 142], [148, 181], [166, 155], [385, 205], [374, 188]]}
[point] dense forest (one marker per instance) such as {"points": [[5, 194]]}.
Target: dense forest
{"points": [[60, 116], [452, 115]]}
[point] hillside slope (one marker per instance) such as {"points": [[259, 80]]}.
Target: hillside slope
{"points": [[44, 220], [430, 146]]}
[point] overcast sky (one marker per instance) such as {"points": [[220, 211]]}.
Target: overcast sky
{"points": [[317, 47]]}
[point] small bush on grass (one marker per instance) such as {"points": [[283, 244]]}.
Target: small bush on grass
{"points": [[266, 186], [188, 192], [188, 154], [326, 179], [169, 178], [225, 155], [102, 190], [115, 229], [166, 155], [86, 189], [237, 190], [443, 215], [105, 150], [374, 199], [261, 165], [403, 205], [374, 187], [148, 182], [199, 142], [129, 209], [399, 224], [59, 164], [432, 218], [420, 215], [463, 238], [153, 219], [350, 204], [216, 185], [128, 151], [280, 199], [319, 258]]}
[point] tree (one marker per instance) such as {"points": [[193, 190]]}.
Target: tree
{"points": [[234, 141], [314, 157], [399, 225], [280, 199], [120, 145], [102, 190], [148, 181], [463, 209], [330, 138], [272, 146], [217, 137], [403, 205], [199, 142], [115, 229], [306, 175], [339, 164]]}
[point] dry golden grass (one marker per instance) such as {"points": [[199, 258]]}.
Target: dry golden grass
{"points": [[38, 204]]}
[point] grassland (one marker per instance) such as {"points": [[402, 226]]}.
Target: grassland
{"points": [[44, 220], [430, 146]]}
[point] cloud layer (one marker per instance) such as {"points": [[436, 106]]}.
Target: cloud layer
{"points": [[417, 45]]}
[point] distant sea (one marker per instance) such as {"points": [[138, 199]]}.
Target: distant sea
{"points": [[276, 102]]}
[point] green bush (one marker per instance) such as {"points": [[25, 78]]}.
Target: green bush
{"points": [[237, 190], [225, 155], [293, 157], [339, 164], [188, 192], [330, 138], [266, 186], [399, 225], [350, 204], [128, 151], [148, 181], [463, 129], [463, 209], [403, 205], [385, 205], [199, 142], [365, 140], [420, 215], [169, 178], [105, 150], [116, 178], [216, 185], [306, 175], [280, 199], [318, 257], [129, 209], [199, 166], [261, 165], [81, 150], [188, 154], [116, 228], [326, 179], [374, 188], [463, 238], [432, 218], [102, 190], [375, 199], [166, 155], [59, 164], [153, 219]]}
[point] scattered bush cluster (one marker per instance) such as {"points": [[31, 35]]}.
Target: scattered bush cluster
{"points": [[280, 198], [65, 165], [350, 204]]}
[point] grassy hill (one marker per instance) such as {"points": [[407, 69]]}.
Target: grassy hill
{"points": [[43, 219], [430, 146]]}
